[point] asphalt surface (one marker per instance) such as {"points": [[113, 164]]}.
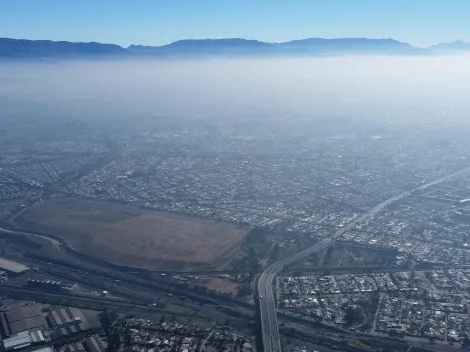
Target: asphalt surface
{"points": [[55, 242], [270, 328], [267, 304]]}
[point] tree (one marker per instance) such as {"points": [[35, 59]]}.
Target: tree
{"points": [[370, 305], [114, 340], [353, 315], [466, 342], [245, 291], [367, 325], [275, 252]]}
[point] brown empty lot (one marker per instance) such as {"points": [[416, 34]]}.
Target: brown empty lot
{"points": [[136, 237]]}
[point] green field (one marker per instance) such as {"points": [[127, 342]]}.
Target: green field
{"points": [[344, 255]]}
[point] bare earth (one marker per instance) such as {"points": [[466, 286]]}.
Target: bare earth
{"points": [[136, 237], [221, 285]]}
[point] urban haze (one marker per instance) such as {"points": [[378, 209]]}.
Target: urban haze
{"points": [[235, 203]]}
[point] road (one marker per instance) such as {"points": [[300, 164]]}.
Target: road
{"points": [[55, 242], [271, 338], [267, 304]]}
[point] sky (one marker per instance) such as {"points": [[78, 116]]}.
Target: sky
{"points": [[157, 22]]}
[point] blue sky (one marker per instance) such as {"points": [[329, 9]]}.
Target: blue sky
{"points": [[156, 22]]}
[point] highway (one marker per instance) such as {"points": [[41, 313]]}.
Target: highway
{"points": [[267, 304], [55, 242], [270, 329]]}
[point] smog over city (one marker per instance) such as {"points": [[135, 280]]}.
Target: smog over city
{"points": [[281, 194]]}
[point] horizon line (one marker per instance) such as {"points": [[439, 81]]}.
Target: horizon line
{"points": [[232, 38]]}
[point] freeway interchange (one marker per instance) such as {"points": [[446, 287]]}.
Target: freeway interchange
{"points": [[271, 338], [267, 304]]}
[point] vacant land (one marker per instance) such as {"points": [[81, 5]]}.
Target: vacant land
{"points": [[344, 255], [213, 282], [136, 237]]}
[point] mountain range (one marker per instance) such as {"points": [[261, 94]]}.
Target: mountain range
{"points": [[457, 46], [17, 48], [22, 48]]}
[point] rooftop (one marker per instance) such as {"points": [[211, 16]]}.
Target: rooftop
{"points": [[25, 318], [23, 339], [12, 267], [65, 316], [45, 349]]}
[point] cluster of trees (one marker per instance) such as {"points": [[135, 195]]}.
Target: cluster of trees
{"points": [[354, 315], [245, 291], [363, 312], [254, 247], [370, 305], [108, 318]]}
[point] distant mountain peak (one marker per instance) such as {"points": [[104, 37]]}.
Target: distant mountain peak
{"points": [[23, 48], [308, 46], [216, 42], [458, 45], [224, 47]]}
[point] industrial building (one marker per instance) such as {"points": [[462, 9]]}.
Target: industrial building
{"points": [[44, 349], [22, 317], [69, 321], [30, 327], [94, 344], [75, 347], [25, 325], [12, 268], [22, 340], [90, 344], [65, 317]]}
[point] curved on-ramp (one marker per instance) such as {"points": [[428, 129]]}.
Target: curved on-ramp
{"points": [[269, 325]]}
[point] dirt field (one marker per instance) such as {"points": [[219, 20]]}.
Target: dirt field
{"points": [[131, 236], [221, 285]]}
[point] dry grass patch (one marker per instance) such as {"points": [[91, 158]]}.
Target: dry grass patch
{"points": [[136, 237]]}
